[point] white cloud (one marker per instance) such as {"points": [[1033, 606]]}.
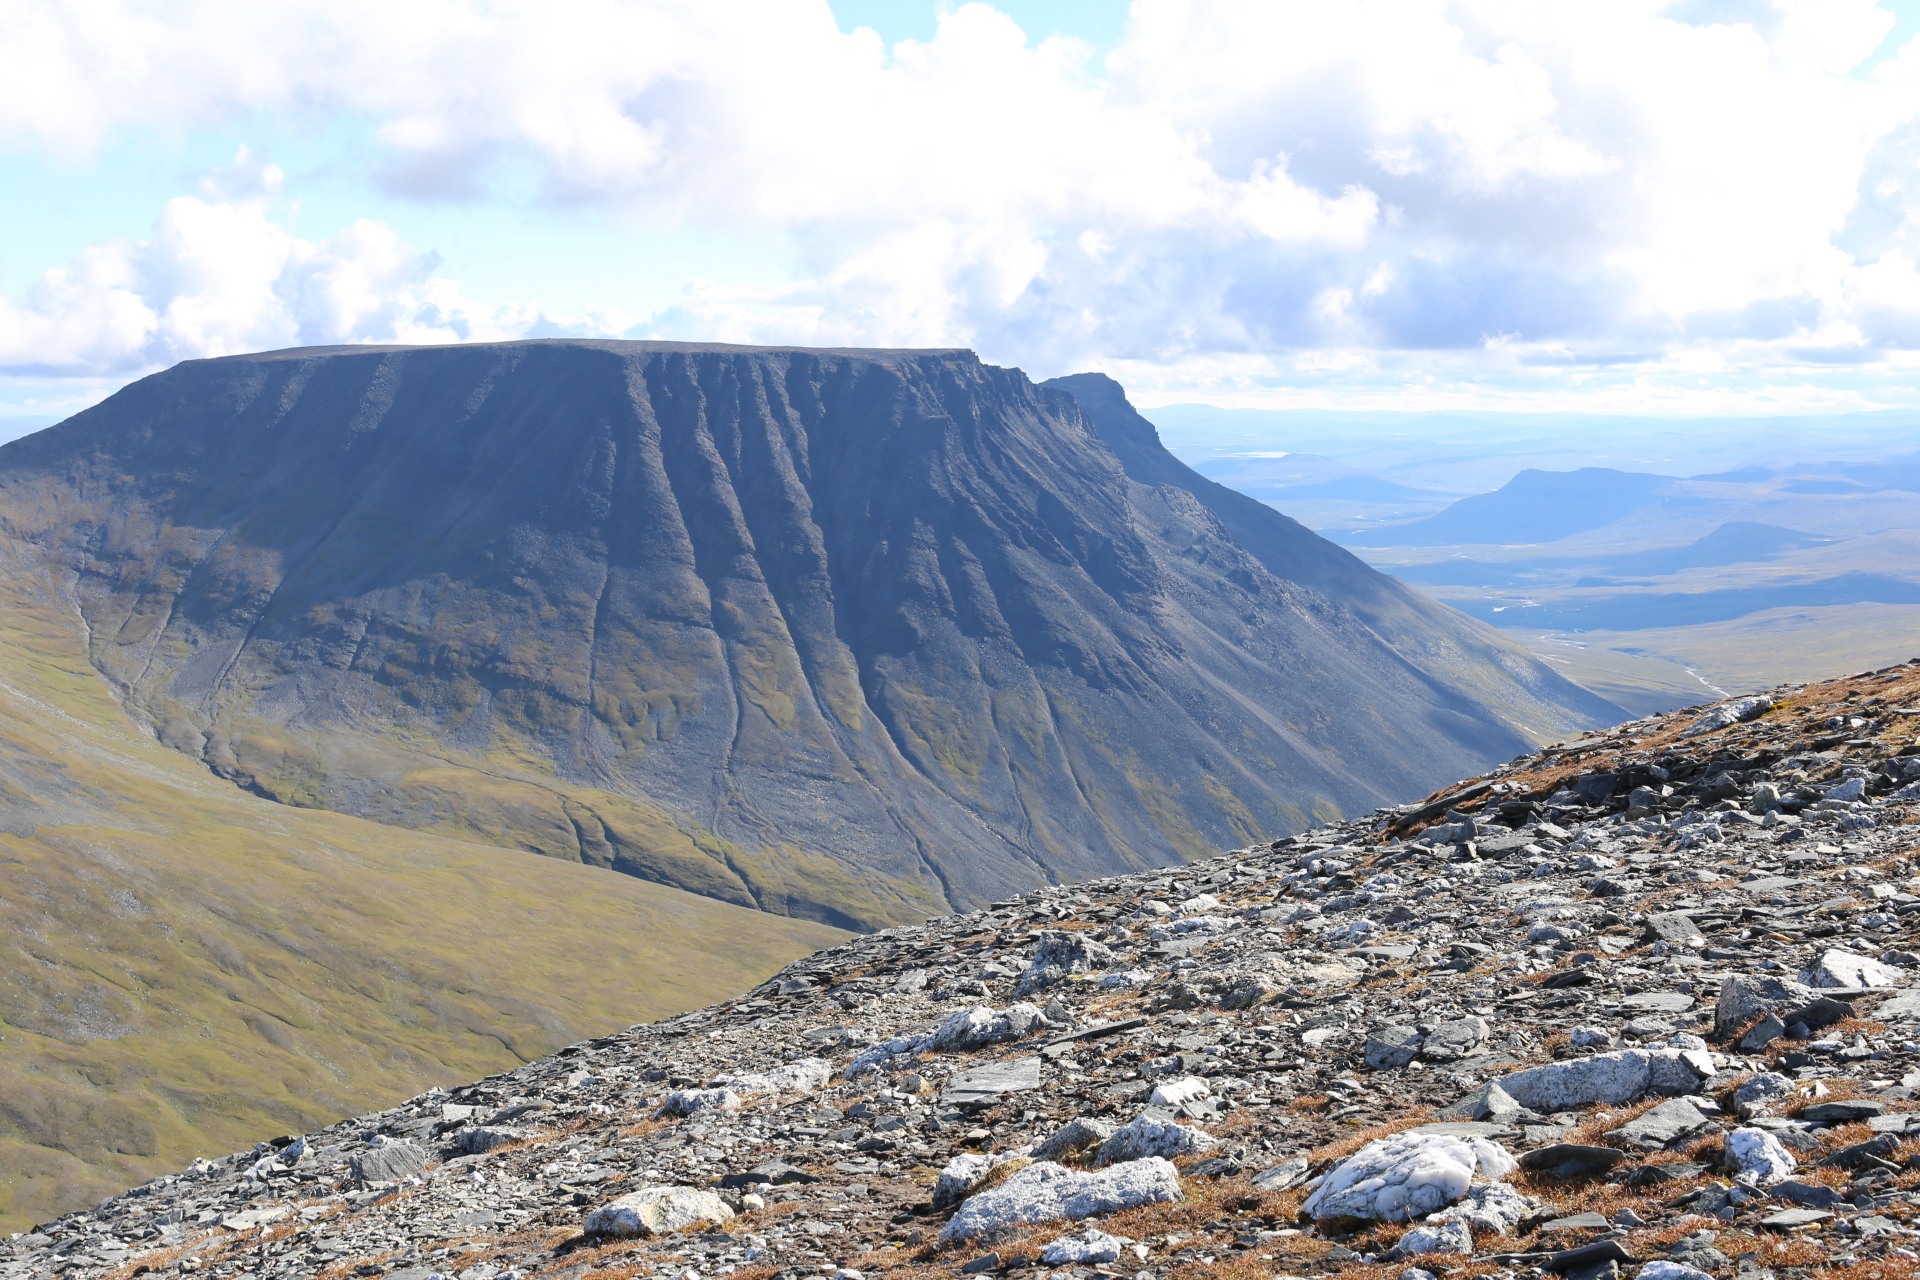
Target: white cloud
{"points": [[1495, 186], [222, 276]]}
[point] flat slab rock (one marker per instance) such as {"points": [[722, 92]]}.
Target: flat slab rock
{"points": [[1656, 1002], [1660, 1127], [984, 1084]]}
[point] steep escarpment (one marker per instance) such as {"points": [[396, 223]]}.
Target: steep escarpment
{"points": [[854, 635]]}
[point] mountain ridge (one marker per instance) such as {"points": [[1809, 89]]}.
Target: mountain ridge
{"points": [[852, 635]]}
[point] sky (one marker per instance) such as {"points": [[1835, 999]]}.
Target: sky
{"points": [[1676, 207]]}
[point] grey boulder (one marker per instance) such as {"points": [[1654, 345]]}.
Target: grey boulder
{"points": [[1615, 1077], [1405, 1176], [388, 1162], [1746, 996], [486, 1138], [1075, 1135], [1392, 1047], [1288, 1173], [1144, 1136], [1843, 969], [984, 1084], [1452, 1041], [657, 1211]]}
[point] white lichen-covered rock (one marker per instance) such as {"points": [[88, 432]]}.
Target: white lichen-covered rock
{"points": [[655, 1211], [980, 1026], [1047, 1192], [691, 1102], [1837, 968], [966, 1172], [1760, 1155], [883, 1054], [1488, 1206], [1452, 1236], [1142, 1137], [1609, 1078], [1189, 924], [804, 1075], [1408, 1175], [1061, 955], [1172, 1093], [1756, 1094], [1666, 1269], [1729, 713], [1091, 1247]]}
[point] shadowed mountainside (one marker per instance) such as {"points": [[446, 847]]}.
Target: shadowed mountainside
{"points": [[186, 969], [854, 635]]}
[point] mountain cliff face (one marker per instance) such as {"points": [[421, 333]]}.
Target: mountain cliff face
{"points": [[853, 635]]}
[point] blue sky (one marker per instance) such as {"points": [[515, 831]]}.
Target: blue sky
{"points": [[1664, 206]]}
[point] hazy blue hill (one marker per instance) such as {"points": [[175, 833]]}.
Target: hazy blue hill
{"points": [[1735, 542], [1534, 506]]}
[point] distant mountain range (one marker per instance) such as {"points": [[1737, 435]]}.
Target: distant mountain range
{"points": [[850, 635]]}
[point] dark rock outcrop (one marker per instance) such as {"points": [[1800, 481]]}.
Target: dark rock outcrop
{"points": [[857, 635]]}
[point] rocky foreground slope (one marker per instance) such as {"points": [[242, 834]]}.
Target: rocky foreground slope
{"points": [[855, 636], [1644, 1002]]}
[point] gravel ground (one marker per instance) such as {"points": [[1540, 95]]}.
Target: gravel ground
{"points": [[1646, 1002]]}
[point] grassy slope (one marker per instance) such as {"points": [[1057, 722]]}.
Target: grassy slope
{"points": [[185, 969]]}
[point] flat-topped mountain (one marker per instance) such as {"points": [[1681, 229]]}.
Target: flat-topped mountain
{"points": [[853, 635]]}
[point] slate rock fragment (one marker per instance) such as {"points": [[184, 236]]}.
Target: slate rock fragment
{"points": [[1662, 1126], [1571, 1160]]}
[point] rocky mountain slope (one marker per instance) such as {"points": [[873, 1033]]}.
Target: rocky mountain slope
{"points": [[851, 635], [1640, 1004], [184, 967]]}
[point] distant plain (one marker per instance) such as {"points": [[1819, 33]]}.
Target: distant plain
{"points": [[1659, 562]]}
